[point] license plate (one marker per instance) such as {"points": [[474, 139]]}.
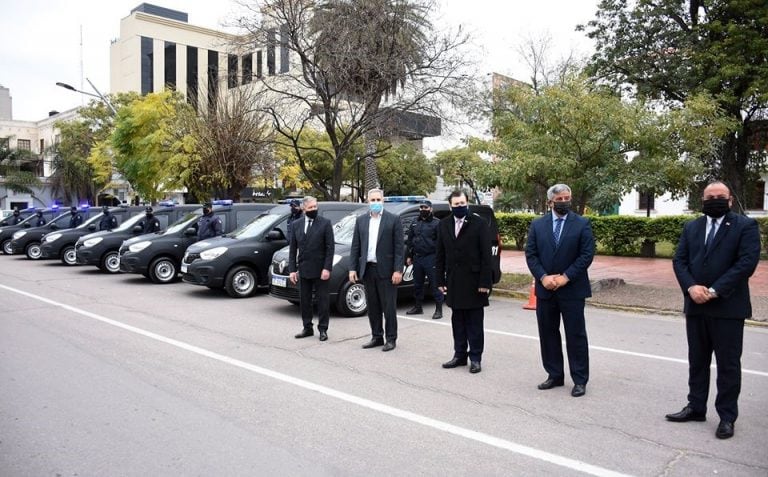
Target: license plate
{"points": [[183, 268], [279, 281]]}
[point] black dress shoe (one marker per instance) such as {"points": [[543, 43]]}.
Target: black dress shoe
{"points": [[455, 362], [687, 414], [724, 430], [389, 346], [323, 336], [579, 390], [416, 310], [474, 367], [374, 343], [551, 383], [304, 333]]}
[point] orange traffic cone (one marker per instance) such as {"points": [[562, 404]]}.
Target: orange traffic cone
{"points": [[531, 305]]}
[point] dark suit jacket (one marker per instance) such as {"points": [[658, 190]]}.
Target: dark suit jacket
{"points": [[314, 249], [390, 246], [726, 265], [463, 263], [571, 257]]}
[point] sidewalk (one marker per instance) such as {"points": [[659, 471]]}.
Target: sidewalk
{"points": [[651, 282]]}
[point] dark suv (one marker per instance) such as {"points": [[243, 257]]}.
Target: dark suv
{"points": [[28, 241], [101, 248], [239, 262], [61, 244], [7, 231], [158, 256], [349, 298]]}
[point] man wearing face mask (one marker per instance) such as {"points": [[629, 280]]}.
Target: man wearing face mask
{"points": [[376, 257], [208, 225], [715, 257], [310, 260], [421, 243], [40, 219], [75, 217], [150, 224], [295, 215], [463, 268], [108, 221], [16, 218], [559, 250]]}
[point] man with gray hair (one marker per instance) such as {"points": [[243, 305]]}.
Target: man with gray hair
{"points": [[559, 250]]}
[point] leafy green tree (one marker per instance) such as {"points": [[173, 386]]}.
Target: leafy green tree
{"points": [[405, 170], [673, 49], [19, 167], [461, 166]]}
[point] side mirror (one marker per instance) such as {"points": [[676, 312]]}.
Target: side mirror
{"points": [[27, 225], [4, 222], [190, 232], [91, 227], [54, 226], [275, 235], [137, 229]]}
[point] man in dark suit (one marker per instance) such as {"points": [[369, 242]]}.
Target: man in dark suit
{"points": [[310, 259], [715, 257], [559, 250], [376, 257], [463, 266]]}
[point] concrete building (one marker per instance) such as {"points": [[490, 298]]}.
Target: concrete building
{"points": [[6, 104]]}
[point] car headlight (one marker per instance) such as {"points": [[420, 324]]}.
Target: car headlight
{"points": [[19, 234], [51, 238], [139, 246], [213, 253], [336, 259], [92, 241]]}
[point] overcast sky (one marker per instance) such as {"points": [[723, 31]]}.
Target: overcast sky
{"points": [[40, 39]]}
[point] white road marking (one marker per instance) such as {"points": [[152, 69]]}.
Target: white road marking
{"points": [[481, 437], [597, 348]]}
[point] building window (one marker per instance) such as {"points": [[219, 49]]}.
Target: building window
{"points": [[756, 200], [42, 146], [231, 71], [213, 79], [259, 64], [147, 66], [271, 40], [247, 68], [192, 76], [646, 201], [284, 48], [170, 65], [24, 145]]}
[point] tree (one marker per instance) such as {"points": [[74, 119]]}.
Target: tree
{"points": [[72, 176], [461, 166], [146, 139], [406, 171], [19, 167], [362, 65], [672, 50]]}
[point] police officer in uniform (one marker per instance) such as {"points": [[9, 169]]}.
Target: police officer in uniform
{"points": [[208, 225], [75, 218], [40, 219], [421, 243], [108, 221], [15, 218], [150, 223], [295, 215]]}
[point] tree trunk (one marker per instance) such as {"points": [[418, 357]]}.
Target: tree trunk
{"points": [[371, 173], [733, 168]]}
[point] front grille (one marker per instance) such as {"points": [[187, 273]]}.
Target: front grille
{"points": [[191, 257], [286, 293]]}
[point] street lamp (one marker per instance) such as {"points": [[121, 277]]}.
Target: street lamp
{"points": [[97, 95]]}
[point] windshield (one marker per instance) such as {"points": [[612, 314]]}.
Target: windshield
{"points": [[26, 219], [344, 229], [90, 221], [128, 224], [61, 218], [257, 227], [184, 222]]}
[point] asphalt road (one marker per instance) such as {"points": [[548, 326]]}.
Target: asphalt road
{"points": [[112, 375]]}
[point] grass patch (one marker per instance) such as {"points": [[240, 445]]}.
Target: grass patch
{"points": [[514, 281]]}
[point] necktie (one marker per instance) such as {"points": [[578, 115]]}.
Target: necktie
{"points": [[711, 234], [458, 226], [556, 233], [309, 225]]}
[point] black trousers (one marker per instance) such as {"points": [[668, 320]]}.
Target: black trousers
{"points": [[320, 288], [548, 313], [724, 337], [424, 267], [467, 326], [381, 296]]}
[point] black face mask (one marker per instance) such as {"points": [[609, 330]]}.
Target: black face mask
{"points": [[460, 212], [206, 211], [424, 214], [715, 208], [312, 214], [562, 208]]}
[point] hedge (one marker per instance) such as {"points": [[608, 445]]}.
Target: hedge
{"points": [[619, 234]]}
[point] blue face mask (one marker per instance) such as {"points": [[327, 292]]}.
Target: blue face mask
{"points": [[460, 212], [376, 207]]}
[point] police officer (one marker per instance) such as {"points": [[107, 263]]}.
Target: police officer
{"points": [[108, 221], [295, 215], [208, 225], [421, 246], [40, 219], [15, 218], [150, 223], [75, 217]]}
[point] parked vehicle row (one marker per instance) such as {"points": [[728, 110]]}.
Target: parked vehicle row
{"points": [[251, 254]]}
